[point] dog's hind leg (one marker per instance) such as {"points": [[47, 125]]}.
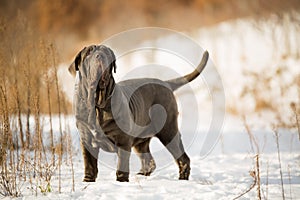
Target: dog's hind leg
{"points": [[174, 145], [147, 161], [123, 164]]}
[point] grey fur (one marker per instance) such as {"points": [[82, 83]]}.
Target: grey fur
{"points": [[117, 117]]}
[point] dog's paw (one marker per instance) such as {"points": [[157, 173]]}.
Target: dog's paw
{"points": [[122, 176], [144, 173], [88, 179], [184, 171], [184, 176]]}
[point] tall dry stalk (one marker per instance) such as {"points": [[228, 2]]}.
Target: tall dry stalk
{"points": [[59, 118], [27, 73], [70, 152], [295, 112], [253, 175], [36, 144], [46, 51], [20, 128], [279, 161], [258, 176], [18, 107], [253, 142], [52, 147], [38, 136]]}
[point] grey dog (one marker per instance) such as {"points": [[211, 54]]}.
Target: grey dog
{"points": [[117, 117]]}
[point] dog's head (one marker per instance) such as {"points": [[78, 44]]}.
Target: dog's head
{"points": [[94, 60], [94, 66]]}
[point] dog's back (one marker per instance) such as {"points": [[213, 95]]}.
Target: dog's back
{"points": [[144, 96]]}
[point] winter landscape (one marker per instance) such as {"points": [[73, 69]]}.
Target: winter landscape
{"points": [[240, 120]]}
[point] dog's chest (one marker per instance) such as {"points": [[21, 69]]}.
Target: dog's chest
{"points": [[106, 116], [107, 122]]}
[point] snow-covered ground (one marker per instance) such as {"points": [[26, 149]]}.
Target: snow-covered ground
{"points": [[216, 177], [222, 172]]}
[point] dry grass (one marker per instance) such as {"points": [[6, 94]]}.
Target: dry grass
{"points": [[28, 88], [256, 150]]}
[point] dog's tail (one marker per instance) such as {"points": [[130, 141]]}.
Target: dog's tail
{"points": [[178, 82]]}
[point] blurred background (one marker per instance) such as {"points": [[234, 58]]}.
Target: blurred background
{"points": [[37, 36], [70, 22], [253, 44]]}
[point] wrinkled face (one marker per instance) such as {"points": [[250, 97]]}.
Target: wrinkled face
{"points": [[94, 65], [91, 66], [93, 61]]}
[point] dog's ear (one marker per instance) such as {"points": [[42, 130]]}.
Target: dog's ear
{"points": [[113, 62], [72, 69], [75, 64], [114, 66]]}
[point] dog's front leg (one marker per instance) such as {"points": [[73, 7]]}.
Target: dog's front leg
{"points": [[123, 165], [90, 163]]}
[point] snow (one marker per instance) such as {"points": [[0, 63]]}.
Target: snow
{"points": [[222, 171], [222, 174], [216, 177]]}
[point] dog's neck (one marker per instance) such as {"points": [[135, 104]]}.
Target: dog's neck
{"points": [[104, 94]]}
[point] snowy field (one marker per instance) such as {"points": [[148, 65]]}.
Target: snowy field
{"points": [[216, 177], [223, 172]]}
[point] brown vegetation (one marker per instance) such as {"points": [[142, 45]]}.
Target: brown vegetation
{"points": [[66, 21], [27, 67], [79, 16], [28, 89]]}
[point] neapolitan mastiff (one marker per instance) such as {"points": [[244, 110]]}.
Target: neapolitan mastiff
{"points": [[118, 116]]}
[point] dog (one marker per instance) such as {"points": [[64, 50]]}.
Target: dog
{"points": [[117, 117]]}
